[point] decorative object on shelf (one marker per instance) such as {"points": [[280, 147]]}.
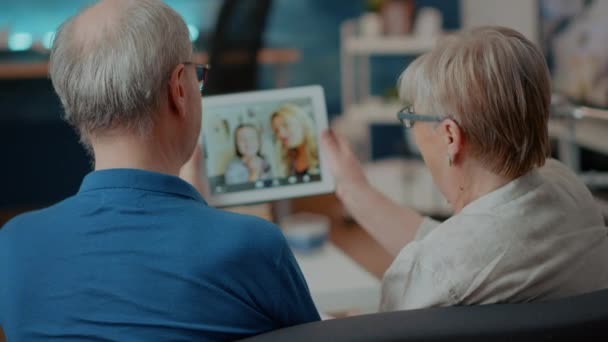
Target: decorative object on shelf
{"points": [[370, 24], [20, 41], [397, 16], [575, 37], [373, 5], [429, 23]]}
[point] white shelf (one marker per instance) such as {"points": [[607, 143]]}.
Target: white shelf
{"points": [[591, 133], [356, 51], [354, 123], [389, 45], [374, 110]]}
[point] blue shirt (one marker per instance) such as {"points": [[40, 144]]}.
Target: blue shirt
{"points": [[139, 256]]}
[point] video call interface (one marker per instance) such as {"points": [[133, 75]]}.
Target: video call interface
{"points": [[261, 145]]}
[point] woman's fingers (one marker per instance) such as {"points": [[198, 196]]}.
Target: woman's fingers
{"points": [[331, 146]]}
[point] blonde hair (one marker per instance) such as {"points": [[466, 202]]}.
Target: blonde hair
{"points": [[495, 83], [312, 154]]}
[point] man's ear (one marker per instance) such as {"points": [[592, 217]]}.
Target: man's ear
{"points": [[177, 91], [453, 137]]}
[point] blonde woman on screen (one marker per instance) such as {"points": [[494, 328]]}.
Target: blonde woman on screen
{"points": [[295, 141]]}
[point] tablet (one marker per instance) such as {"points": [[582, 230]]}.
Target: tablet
{"points": [[264, 145]]}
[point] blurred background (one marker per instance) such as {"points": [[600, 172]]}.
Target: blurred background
{"points": [[354, 49]]}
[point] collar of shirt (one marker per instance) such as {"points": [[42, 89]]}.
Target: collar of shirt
{"points": [[505, 194], [139, 179]]}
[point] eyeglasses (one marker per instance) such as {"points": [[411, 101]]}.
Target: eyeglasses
{"points": [[202, 71], [408, 117]]}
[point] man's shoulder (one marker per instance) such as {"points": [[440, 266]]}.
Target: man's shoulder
{"points": [[37, 217], [246, 229], [242, 239], [238, 220]]}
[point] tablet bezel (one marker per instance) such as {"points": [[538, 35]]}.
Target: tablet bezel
{"points": [[252, 196]]}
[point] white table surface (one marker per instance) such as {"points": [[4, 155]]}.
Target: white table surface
{"points": [[337, 283]]}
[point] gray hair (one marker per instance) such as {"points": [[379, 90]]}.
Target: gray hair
{"points": [[496, 83], [115, 79]]}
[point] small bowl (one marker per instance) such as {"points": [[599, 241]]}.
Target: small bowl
{"points": [[305, 232]]}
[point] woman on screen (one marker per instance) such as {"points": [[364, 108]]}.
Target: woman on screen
{"points": [[296, 143], [249, 165]]}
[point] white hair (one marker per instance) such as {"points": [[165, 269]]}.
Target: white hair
{"points": [[114, 80], [496, 84]]}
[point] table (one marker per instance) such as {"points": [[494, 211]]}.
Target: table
{"points": [[344, 277], [346, 235], [337, 283]]}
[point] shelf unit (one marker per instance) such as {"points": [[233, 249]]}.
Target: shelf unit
{"points": [[389, 45], [584, 127], [355, 54], [361, 109]]}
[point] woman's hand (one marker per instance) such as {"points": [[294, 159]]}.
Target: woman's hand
{"points": [[391, 225], [192, 170], [343, 164]]}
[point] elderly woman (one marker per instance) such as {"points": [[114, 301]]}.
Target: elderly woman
{"points": [[524, 227]]}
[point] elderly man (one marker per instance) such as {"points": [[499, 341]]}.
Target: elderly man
{"points": [[137, 254]]}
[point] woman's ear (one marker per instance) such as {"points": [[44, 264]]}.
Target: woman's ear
{"points": [[453, 137], [177, 91]]}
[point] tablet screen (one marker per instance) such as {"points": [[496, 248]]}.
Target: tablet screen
{"points": [[261, 145]]}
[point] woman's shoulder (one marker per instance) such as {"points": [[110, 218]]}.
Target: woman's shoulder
{"points": [[564, 181], [554, 167]]}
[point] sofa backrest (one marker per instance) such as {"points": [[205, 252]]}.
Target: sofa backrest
{"points": [[583, 318]]}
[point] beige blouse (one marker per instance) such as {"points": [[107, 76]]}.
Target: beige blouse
{"points": [[540, 236]]}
